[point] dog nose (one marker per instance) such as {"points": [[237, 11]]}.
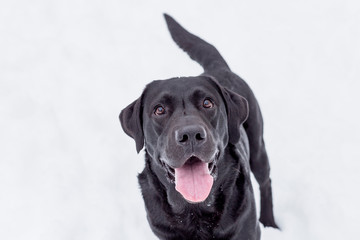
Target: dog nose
{"points": [[194, 134]]}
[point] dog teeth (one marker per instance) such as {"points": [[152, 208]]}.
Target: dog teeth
{"points": [[210, 166]]}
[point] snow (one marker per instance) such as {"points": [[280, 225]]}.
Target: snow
{"points": [[67, 68]]}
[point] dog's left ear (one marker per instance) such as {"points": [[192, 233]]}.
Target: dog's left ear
{"points": [[237, 112], [131, 122], [237, 109]]}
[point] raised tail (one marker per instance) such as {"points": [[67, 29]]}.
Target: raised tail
{"points": [[199, 50]]}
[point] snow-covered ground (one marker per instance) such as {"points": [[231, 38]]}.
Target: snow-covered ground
{"points": [[67, 68]]}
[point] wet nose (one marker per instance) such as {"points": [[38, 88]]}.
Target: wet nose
{"points": [[192, 134]]}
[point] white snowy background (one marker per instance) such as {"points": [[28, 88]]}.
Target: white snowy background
{"points": [[67, 68]]}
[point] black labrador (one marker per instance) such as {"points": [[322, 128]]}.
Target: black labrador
{"points": [[202, 135]]}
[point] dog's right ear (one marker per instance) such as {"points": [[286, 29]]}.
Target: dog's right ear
{"points": [[131, 122]]}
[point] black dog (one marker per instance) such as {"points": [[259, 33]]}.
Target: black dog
{"points": [[201, 135]]}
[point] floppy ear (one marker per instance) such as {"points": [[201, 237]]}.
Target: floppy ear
{"points": [[237, 109], [131, 122]]}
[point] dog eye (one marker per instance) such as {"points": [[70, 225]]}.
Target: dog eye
{"points": [[208, 103], [159, 110]]}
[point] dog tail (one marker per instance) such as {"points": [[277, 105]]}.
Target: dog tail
{"points": [[199, 50]]}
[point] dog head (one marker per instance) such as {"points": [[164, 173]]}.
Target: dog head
{"points": [[185, 125]]}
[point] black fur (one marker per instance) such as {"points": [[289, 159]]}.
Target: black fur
{"points": [[228, 135]]}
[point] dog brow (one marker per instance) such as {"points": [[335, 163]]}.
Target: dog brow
{"points": [[166, 97], [199, 93]]}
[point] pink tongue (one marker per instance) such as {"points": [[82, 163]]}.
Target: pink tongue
{"points": [[193, 181]]}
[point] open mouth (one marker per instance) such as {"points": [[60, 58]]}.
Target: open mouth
{"points": [[194, 179], [170, 171]]}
